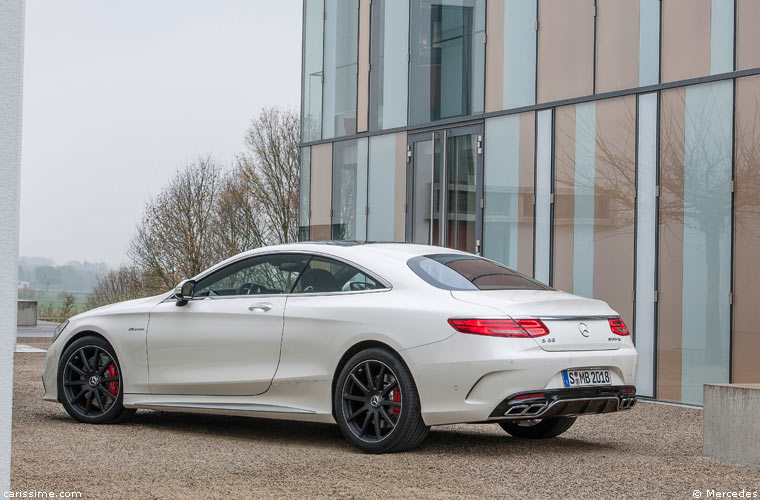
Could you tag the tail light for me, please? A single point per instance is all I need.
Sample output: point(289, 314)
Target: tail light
point(618, 327)
point(520, 328)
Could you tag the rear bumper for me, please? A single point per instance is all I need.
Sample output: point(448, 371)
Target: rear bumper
point(565, 403)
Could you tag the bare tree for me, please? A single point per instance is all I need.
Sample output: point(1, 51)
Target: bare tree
point(47, 275)
point(270, 172)
point(174, 239)
point(124, 283)
point(68, 300)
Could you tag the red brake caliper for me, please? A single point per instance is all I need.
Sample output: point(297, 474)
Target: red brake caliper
point(113, 387)
point(396, 398)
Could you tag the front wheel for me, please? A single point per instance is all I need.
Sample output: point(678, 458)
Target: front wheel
point(90, 384)
point(537, 429)
point(377, 405)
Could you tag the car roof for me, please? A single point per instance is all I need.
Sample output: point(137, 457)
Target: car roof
point(398, 251)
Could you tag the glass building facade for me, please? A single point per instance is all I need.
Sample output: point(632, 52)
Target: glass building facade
point(607, 148)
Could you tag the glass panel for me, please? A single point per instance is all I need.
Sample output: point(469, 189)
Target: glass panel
point(382, 182)
point(649, 42)
point(565, 49)
point(519, 53)
point(349, 203)
point(746, 347)
point(543, 195)
point(422, 191)
point(461, 196)
point(389, 65)
point(646, 237)
point(304, 197)
point(695, 239)
point(508, 214)
point(721, 36)
point(311, 86)
point(457, 272)
point(448, 59)
point(341, 60)
point(594, 188)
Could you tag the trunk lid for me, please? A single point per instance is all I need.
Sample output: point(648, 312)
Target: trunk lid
point(575, 323)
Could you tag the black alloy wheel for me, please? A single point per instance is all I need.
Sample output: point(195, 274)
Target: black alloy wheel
point(90, 382)
point(376, 403)
point(372, 400)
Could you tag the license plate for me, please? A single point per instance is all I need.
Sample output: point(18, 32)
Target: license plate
point(575, 378)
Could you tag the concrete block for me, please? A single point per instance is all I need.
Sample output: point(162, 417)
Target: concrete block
point(731, 428)
point(27, 313)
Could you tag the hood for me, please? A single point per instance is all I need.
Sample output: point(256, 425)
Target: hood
point(131, 306)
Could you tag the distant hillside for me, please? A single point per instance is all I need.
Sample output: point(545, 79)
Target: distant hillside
point(43, 274)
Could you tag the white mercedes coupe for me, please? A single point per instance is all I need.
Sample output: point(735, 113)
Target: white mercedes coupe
point(386, 339)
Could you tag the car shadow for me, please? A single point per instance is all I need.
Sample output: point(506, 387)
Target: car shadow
point(477, 439)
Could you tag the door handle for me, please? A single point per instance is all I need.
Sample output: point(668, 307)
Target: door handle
point(264, 306)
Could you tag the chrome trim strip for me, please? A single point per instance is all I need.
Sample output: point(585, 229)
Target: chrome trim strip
point(225, 406)
point(569, 318)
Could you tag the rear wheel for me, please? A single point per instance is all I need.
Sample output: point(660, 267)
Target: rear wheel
point(377, 405)
point(90, 384)
point(536, 428)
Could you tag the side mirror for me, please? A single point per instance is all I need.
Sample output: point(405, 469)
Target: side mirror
point(184, 292)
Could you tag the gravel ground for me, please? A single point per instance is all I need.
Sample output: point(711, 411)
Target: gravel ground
point(651, 451)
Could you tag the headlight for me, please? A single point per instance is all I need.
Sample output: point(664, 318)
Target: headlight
point(60, 328)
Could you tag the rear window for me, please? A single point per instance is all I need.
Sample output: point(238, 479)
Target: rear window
point(466, 272)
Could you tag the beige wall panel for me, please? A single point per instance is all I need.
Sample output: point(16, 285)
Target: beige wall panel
point(321, 191)
point(746, 345)
point(564, 198)
point(399, 224)
point(670, 280)
point(495, 55)
point(565, 49)
point(362, 91)
point(617, 45)
point(526, 190)
point(685, 39)
point(747, 34)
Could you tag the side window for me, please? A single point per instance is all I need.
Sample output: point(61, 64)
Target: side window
point(328, 275)
point(263, 275)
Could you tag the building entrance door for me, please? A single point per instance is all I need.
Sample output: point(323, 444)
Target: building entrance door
point(445, 188)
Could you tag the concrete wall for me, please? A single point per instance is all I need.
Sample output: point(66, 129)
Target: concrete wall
point(27, 313)
point(731, 429)
point(11, 64)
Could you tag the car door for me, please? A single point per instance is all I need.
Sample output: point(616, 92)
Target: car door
point(225, 340)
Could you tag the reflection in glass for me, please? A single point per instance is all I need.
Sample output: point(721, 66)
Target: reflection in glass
point(340, 63)
point(461, 196)
point(508, 213)
point(646, 233)
point(382, 180)
point(311, 86)
point(419, 206)
point(695, 239)
point(649, 42)
point(389, 50)
point(447, 59)
point(349, 205)
point(304, 199)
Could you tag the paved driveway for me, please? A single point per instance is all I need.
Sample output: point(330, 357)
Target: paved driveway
point(42, 330)
point(653, 451)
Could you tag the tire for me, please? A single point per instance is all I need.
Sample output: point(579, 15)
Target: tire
point(87, 391)
point(377, 405)
point(543, 429)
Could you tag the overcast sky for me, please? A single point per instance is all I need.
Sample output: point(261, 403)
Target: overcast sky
point(118, 95)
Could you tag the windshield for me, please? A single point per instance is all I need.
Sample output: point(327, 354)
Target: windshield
point(468, 272)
